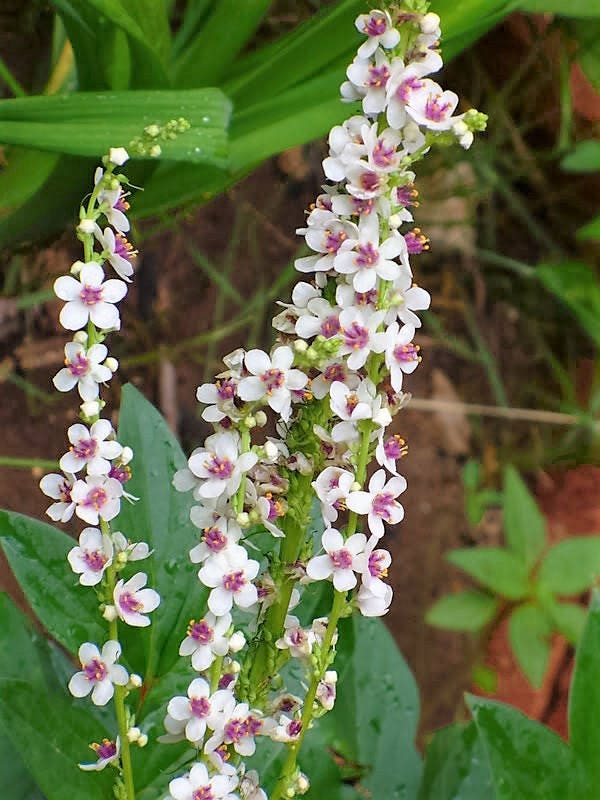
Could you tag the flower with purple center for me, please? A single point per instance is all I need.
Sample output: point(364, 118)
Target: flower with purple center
point(332, 487)
point(198, 785)
point(378, 27)
point(90, 298)
point(433, 107)
point(379, 503)
point(219, 466)
point(219, 399)
point(96, 498)
point(59, 488)
point(133, 602)
point(296, 639)
point(272, 378)
point(92, 556)
point(230, 575)
point(84, 369)
point(358, 334)
point(98, 672)
point(339, 560)
point(117, 250)
point(326, 235)
point(369, 81)
point(233, 724)
point(401, 355)
point(205, 640)
point(416, 242)
point(373, 566)
point(389, 450)
point(91, 448)
point(321, 319)
point(224, 534)
point(370, 260)
point(107, 752)
point(187, 716)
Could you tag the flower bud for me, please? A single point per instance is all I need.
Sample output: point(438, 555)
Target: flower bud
point(126, 455)
point(86, 226)
point(300, 346)
point(76, 267)
point(135, 681)
point(330, 676)
point(109, 613)
point(155, 151)
point(133, 734)
point(237, 641)
point(355, 487)
point(395, 221)
point(118, 156)
point(302, 784)
point(142, 740)
point(430, 23)
point(261, 419)
point(91, 408)
point(112, 364)
point(271, 450)
point(80, 337)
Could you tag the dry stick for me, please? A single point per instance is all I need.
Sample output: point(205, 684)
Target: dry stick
point(479, 409)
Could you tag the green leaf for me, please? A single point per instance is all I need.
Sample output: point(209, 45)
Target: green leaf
point(485, 678)
point(468, 611)
point(526, 760)
point(455, 766)
point(584, 699)
point(529, 634)
point(87, 124)
point(37, 554)
point(151, 16)
point(588, 55)
point(50, 729)
point(585, 157)
point(494, 567)
point(576, 285)
point(524, 524)
point(15, 781)
point(591, 230)
point(571, 566)
point(570, 619)
point(161, 518)
point(575, 8)
point(471, 474)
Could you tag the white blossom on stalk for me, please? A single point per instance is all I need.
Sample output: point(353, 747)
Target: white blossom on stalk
point(98, 672)
point(272, 377)
point(90, 298)
point(118, 251)
point(113, 204)
point(97, 498)
point(133, 602)
point(296, 639)
point(197, 785)
point(326, 690)
point(377, 26)
point(91, 448)
point(232, 724)
point(340, 559)
point(84, 369)
point(406, 298)
point(379, 503)
point(217, 538)
point(107, 751)
point(432, 107)
point(389, 450)
point(92, 556)
point(59, 487)
point(321, 319)
point(219, 465)
point(368, 80)
point(358, 335)
point(373, 566)
point(187, 716)
point(332, 487)
point(206, 640)
point(230, 575)
point(371, 604)
point(328, 236)
point(133, 551)
point(345, 146)
point(370, 260)
point(401, 355)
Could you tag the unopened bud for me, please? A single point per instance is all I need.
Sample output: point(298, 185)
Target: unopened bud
point(80, 337)
point(300, 346)
point(142, 740)
point(121, 559)
point(91, 408)
point(302, 784)
point(234, 668)
point(118, 156)
point(395, 221)
point(243, 519)
point(330, 676)
point(133, 734)
point(112, 364)
point(135, 681)
point(430, 23)
point(109, 613)
point(355, 487)
point(152, 130)
point(86, 226)
point(271, 450)
point(250, 422)
point(126, 455)
point(155, 151)
point(237, 641)
point(76, 267)
point(261, 419)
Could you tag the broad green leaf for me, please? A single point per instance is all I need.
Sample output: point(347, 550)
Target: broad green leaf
point(485, 678)
point(591, 230)
point(588, 54)
point(584, 699)
point(455, 766)
point(575, 285)
point(571, 566)
point(585, 157)
point(37, 554)
point(161, 518)
point(524, 524)
point(151, 16)
point(569, 619)
point(575, 8)
point(87, 124)
point(526, 760)
point(50, 729)
point(529, 632)
point(494, 567)
point(468, 611)
point(471, 474)
point(15, 781)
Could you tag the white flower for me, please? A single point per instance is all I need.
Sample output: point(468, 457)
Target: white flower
point(97, 498)
point(113, 203)
point(339, 561)
point(370, 81)
point(407, 298)
point(59, 487)
point(84, 369)
point(106, 751)
point(119, 155)
point(250, 787)
point(117, 250)
point(358, 335)
point(219, 398)
point(401, 355)
point(130, 551)
point(332, 488)
point(328, 236)
point(321, 319)
point(345, 146)
point(219, 465)
point(388, 451)
point(91, 297)
point(285, 730)
point(382, 152)
point(273, 378)
point(187, 716)
point(197, 785)
point(379, 502)
point(206, 640)
point(286, 320)
point(373, 605)
point(216, 538)
point(133, 602)
point(230, 576)
point(233, 724)
point(370, 260)
point(432, 107)
point(350, 406)
point(326, 690)
point(296, 639)
point(373, 566)
point(377, 25)
point(90, 449)
point(98, 672)
point(93, 555)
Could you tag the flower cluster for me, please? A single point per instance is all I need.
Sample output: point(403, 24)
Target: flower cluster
point(95, 469)
point(331, 386)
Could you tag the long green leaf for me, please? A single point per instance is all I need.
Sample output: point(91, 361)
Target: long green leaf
point(87, 124)
point(529, 632)
point(524, 524)
point(575, 285)
point(455, 766)
point(575, 8)
point(495, 568)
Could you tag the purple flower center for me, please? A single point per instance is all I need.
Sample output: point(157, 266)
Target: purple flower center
point(64, 491)
point(378, 76)
point(369, 181)
point(199, 706)
point(235, 730)
point(366, 298)
point(383, 504)
point(294, 728)
point(122, 204)
point(105, 750)
point(95, 670)
point(405, 89)
point(395, 447)
point(405, 195)
point(96, 498)
point(123, 248)
point(273, 379)
point(333, 241)
point(95, 560)
point(214, 539)
point(79, 365)
point(275, 508)
point(383, 154)
point(253, 725)
point(330, 327)
point(367, 255)
point(363, 206)
point(436, 111)
point(226, 389)
point(376, 26)
point(226, 680)
point(376, 561)
point(219, 467)
point(85, 449)
point(351, 403)
point(129, 603)
point(203, 793)
point(120, 473)
point(415, 242)
point(341, 559)
point(201, 632)
point(234, 581)
point(286, 705)
point(90, 295)
point(356, 336)
point(406, 353)
point(297, 637)
point(334, 372)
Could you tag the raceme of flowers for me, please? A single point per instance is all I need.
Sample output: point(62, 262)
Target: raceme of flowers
point(296, 431)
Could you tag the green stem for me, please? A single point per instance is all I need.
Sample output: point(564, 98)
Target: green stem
point(27, 463)
point(10, 80)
